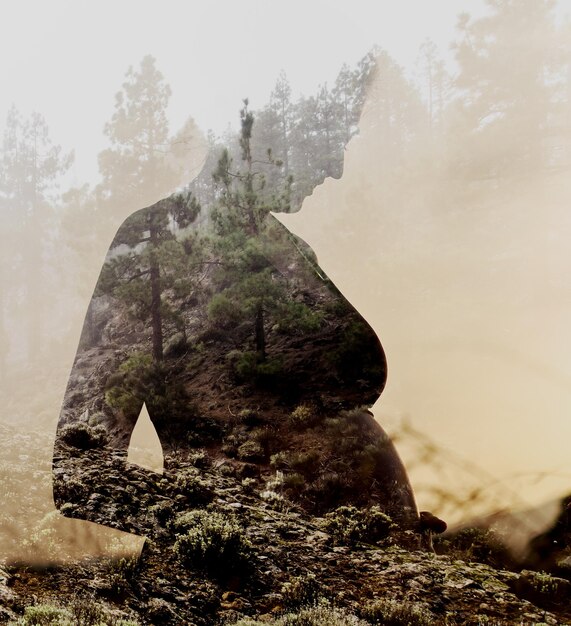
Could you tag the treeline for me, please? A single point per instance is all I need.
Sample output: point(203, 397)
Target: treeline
point(504, 113)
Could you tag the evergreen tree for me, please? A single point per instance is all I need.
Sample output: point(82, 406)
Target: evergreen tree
point(139, 276)
point(30, 167)
point(507, 81)
point(247, 285)
point(143, 163)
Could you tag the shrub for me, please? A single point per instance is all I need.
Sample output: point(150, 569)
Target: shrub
point(176, 345)
point(321, 615)
point(302, 417)
point(305, 463)
point(189, 484)
point(46, 615)
point(396, 613)
point(294, 482)
point(301, 591)
point(251, 450)
point(269, 438)
point(476, 544)
point(80, 435)
point(249, 485)
point(249, 417)
point(212, 542)
point(248, 368)
point(350, 525)
point(297, 318)
point(330, 490)
point(223, 312)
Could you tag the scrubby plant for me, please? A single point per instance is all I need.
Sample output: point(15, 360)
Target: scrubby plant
point(302, 417)
point(247, 367)
point(305, 463)
point(46, 615)
point(269, 438)
point(396, 613)
point(199, 459)
point(248, 417)
point(296, 318)
point(249, 485)
point(301, 591)
point(71, 489)
point(121, 574)
point(350, 525)
point(222, 312)
point(251, 450)
point(82, 436)
point(321, 615)
point(294, 482)
point(212, 542)
point(163, 512)
point(193, 487)
point(330, 490)
point(476, 544)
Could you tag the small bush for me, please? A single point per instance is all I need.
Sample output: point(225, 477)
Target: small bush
point(212, 542)
point(249, 417)
point(301, 591)
point(302, 417)
point(223, 312)
point(305, 463)
point(330, 490)
point(251, 450)
point(321, 615)
point(189, 484)
point(350, 525)
point(176, 345)
point(476, 544)
point(396, 613)
point(82, 436)
point(46, 615)
point(294, 482)
point(249, 485)
point(248, 368)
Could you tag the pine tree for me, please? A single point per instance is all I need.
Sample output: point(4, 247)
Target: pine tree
point(247, 284)
point(507, 80)
point(143, 163)
point(139, 276)
point(30, 167)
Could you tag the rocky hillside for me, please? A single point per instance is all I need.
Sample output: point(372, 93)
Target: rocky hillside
point(229, 548)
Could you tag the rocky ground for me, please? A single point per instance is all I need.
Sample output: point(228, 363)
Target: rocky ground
point(227, 548)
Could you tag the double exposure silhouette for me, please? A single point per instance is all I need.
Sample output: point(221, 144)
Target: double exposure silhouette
point(223, 325)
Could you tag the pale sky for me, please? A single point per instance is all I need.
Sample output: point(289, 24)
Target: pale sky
point(67, 58)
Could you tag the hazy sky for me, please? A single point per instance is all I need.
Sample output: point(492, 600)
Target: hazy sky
point(67, 58)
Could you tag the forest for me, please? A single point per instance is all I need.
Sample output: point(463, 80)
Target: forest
point(205, 309)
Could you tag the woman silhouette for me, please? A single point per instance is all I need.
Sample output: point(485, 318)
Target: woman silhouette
point(239, 345)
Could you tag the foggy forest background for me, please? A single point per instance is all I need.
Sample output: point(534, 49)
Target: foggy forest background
point(449, 210)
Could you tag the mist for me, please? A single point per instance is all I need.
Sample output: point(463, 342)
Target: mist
point(448, 231)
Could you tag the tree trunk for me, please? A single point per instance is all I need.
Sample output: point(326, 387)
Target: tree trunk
point(260, 334)
point(156, 316)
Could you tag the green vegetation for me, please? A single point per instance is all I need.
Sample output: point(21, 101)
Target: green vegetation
point(321, 615)
point(396, 613)
point(350, 525)
point(211, 542)
point(81, 435)
point(80, 612)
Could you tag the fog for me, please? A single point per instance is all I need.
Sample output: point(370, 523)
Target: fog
point(450, 236)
